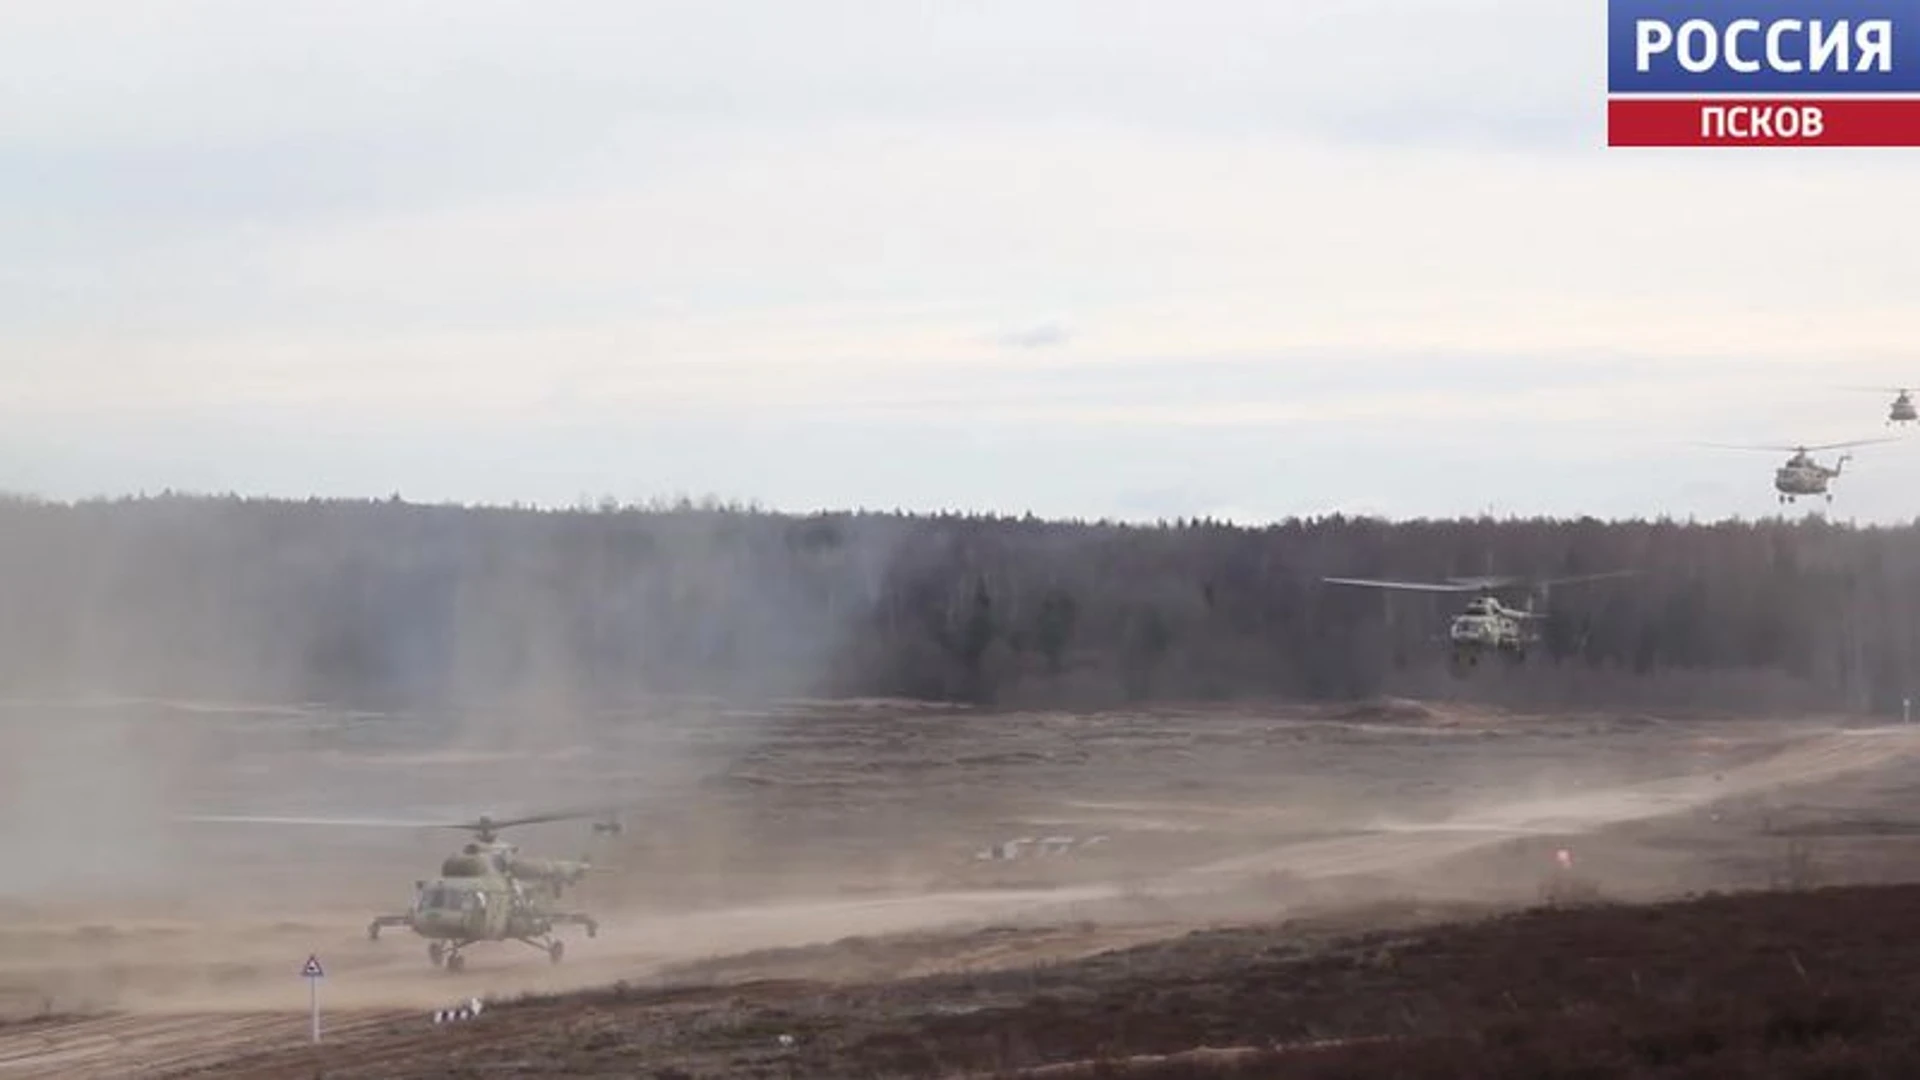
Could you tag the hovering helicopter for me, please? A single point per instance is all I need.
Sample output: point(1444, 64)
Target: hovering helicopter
point(1486, 623)
point(1902, 410)
point(487, 891)
point(1803, 476)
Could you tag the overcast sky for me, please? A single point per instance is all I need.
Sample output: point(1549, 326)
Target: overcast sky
point(1080, 257)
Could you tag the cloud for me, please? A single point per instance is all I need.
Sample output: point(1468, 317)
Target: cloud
point(223, 72)
point(882, 252)
point(1037, 336)
point(1373, 245)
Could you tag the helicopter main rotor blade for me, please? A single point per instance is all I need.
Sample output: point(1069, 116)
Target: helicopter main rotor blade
point(487, 822)
point(260, 819)
point(1587, 577)
point(1851, 442)
point(482, 823)
point(1487, 582)
point(1410, 586)
point(1797, 448)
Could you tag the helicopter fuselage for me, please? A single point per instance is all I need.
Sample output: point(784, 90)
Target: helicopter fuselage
point(1802, 476)
point(478, 909)
point(1902, 410)
point(1486, 625)
point(487, 892)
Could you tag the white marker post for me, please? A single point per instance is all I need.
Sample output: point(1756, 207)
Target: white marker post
point(312, 973)
point(1906, 710)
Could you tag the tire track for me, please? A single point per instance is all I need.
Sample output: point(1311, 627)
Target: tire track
point(145, 1044)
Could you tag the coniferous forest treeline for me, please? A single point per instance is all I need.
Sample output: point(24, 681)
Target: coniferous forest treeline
point(385, 604)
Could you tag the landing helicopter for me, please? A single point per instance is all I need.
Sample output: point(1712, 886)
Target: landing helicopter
point(1803, 476)
point(487, 891)
point(1486, 623)
point(1902, 410)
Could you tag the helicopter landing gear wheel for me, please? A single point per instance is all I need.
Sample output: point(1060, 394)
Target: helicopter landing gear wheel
point(555, 951)
point(373, 931)
point(593, 929)
point(456, 963)
point(436, 953)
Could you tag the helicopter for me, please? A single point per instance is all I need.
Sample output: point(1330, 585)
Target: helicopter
point(486, 891)
point(1902, 410)
point(1486, 623)
point(1803, 476)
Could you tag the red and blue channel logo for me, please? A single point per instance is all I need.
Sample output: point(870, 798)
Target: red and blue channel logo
point(1763, 73)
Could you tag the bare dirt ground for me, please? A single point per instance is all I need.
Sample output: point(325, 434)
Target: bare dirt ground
point(775, 855)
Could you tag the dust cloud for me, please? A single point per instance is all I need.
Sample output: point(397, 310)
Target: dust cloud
point(386, 661)
point(177, 657)
point(81, 800)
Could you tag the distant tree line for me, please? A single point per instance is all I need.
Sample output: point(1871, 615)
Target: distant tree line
point(394, 605)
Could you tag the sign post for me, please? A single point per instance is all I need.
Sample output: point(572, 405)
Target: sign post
point(312, 973)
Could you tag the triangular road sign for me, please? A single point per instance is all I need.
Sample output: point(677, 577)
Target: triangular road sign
point(312, 970)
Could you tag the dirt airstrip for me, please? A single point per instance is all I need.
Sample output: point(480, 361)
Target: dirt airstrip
point(777, 861)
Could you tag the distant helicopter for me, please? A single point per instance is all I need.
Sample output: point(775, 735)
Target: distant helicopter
point(487, 891)
point(1486, 624)
point(1902, 410)
point(1801, 475)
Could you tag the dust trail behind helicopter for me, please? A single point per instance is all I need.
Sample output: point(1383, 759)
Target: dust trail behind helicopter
point(368, 675)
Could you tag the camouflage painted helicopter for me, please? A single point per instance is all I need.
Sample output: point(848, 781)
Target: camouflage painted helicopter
point(1902, 410)
point(1802, 476)
point(486, 891)
point(1486, 624)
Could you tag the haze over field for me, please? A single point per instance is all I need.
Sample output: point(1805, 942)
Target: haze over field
point(1065, 256)
point(413, 412)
